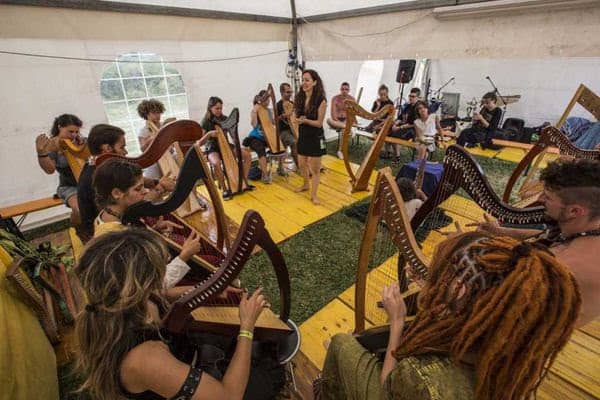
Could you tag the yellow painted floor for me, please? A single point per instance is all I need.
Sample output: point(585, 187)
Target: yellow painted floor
point(287, 212)
point(574, 375)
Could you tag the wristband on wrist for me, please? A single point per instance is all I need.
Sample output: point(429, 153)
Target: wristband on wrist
point(246, 334)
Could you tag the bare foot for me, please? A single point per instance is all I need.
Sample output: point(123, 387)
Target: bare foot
point(316, 201)
point(302, 189)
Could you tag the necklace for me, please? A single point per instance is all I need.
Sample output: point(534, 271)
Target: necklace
point(113, 213)
point(564, 239)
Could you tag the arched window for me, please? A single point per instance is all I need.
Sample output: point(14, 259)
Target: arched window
point(134, 77)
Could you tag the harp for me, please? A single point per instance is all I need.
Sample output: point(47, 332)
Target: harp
point(76, 155)
point(183, 132)
point(168, 160)
point(360, 179)
point(444, 205)
point(270, 128)
point(200, 310)
point(288, 108)
point(529, 188)
point(194, 168)
point(232, 163)
point(420, 176)
point(389, 252)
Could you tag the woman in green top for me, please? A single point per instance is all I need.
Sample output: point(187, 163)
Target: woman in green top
point(492, 317)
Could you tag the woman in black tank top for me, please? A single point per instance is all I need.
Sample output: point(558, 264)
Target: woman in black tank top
point(121, 350)
point(310, 105)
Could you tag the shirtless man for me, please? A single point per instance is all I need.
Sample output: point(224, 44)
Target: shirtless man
point(338, 111)
point(572, 198)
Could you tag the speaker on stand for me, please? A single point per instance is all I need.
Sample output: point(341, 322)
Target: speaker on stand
point(406, 70)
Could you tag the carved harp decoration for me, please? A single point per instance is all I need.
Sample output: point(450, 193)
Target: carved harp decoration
point(182, 131)
point(360, 179)
point(402, 259)
point(194, 168)
point(233, 166)
point(269, 126)
point(76, 155)
point(198, 309)
point(550, 137)
point(461, 171)
point(288, 108)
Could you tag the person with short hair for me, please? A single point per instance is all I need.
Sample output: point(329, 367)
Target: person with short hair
point(404, 127)
point(51, 159)
point(151, 111)
point(285, 130)
point(484, 125)
point(381, 101)
point(426, 127)
point(337, 120)
point(571, 198)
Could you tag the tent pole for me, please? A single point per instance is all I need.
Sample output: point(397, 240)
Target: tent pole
point(294, 49)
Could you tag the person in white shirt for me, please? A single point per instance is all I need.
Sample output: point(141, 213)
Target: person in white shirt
point(426, 126)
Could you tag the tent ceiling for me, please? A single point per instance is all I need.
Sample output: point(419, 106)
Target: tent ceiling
point(276, 8)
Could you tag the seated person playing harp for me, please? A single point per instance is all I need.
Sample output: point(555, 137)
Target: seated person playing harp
point(256, 141)
point(285, 130)
point(382, 101)
point(51, 159)
point(119, 184)
point(151, 111)
point(427, 126)
point(465, 337)
point(214, 114)
point(338, 111)
point(102, 139)
point(570, 197)
point(485, 123)
point(123, 349)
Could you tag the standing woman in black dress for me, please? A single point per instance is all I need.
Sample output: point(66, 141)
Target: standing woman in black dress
point(310, 106)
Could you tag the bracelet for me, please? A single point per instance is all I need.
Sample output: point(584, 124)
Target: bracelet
point(43, 155)
point(246, 334)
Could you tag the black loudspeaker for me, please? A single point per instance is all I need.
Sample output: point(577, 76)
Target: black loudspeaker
point(406, 70)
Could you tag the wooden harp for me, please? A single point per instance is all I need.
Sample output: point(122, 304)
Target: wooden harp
point(388, 253)
point(76, 155)
point(200, 310)
point(444, 206)
point(184, 132)
point(194, 168)
point(232, 163)
point(360, 179)
point(550, 137)
point(530, 189)
point(269, 126)
point(289, 109)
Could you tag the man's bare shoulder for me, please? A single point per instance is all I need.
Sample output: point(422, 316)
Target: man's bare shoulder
point(581, 254)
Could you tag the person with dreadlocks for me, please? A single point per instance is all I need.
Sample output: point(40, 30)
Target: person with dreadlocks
point(491, 319)
point(571, 197)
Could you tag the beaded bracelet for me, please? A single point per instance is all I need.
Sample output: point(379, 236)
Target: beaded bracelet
point(246, 334)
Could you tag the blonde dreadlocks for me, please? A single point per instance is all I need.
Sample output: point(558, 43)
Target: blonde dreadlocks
point(511, 304)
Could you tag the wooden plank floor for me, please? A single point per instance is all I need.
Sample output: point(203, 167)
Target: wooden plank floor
point(285, 211)
point(575, 373)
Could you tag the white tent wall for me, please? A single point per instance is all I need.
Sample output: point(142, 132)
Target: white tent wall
point(35, 90)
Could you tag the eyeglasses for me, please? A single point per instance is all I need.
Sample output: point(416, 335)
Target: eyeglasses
point(412, 95)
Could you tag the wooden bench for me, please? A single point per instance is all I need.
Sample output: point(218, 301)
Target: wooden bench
point(518, 145)
point(7, 214)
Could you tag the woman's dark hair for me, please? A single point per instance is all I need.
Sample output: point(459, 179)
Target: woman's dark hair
point(407, 189)
point(317, 97)
point(416, 91)
point(421, 103)
point(212, 101)
point(64, 120)
point(491, 96)
point(115, 173)
point(383, 87)
point(148, 106)
point(258, 97)
point(102, 134)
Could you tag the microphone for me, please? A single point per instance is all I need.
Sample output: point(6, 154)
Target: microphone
point(487, 77)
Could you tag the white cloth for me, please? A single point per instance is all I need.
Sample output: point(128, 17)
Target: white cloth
point(412, 207)
point(428, 129)
point(153, 171)
point(176, 270)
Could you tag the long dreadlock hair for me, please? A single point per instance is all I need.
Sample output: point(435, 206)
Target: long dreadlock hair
point(514, 313)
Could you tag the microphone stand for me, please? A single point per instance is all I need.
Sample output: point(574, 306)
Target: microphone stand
point(437, 92)
point(401, 93)
point(501, 98)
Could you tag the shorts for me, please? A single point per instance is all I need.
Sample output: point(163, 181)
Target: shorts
point(256, 145)
point(287, 138)
point(65, 192)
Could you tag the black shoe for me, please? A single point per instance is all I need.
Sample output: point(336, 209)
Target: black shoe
point(470, 145)
point(227, 195)
point(249, 188)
